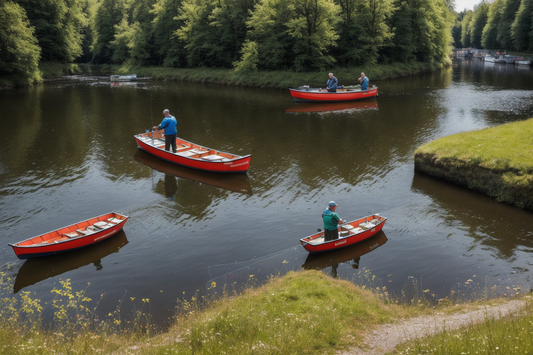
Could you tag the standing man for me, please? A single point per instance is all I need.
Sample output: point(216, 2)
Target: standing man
point(364, 81)
point(331, 222)
point(169, 123)
point(332, 83)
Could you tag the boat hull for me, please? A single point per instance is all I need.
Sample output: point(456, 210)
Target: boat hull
point(361, 230)
point(56, 242)
point(322, 95)
point(131, 77)
point(232, 164)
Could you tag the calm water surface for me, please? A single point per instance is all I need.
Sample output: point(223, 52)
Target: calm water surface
point(68, 154)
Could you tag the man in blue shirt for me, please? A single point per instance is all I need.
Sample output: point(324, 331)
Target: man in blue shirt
point(364, 81)
point(169, 123)
point(331, 222)
point(332, 83)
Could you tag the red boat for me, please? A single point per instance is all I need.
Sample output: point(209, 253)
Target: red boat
point(306, 94)
point(72, 237)
point(193, 155)
point(349, 233)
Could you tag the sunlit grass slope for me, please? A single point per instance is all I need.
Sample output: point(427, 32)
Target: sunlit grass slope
point(496, 161)
point(300, 313)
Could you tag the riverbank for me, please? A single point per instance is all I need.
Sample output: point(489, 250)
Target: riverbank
point(262, 79)
point(495, 161)
point(303, 312)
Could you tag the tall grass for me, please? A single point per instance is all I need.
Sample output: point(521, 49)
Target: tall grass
point(497, 161)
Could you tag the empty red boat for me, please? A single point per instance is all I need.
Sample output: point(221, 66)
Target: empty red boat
point(72, 237)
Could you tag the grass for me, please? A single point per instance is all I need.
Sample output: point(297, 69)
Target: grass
point(303, 312)
point(263, 79)
point(496, 161)
point(278, 79)
point(512, 335)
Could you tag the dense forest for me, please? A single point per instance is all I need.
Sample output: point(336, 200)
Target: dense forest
point(295, 35)
point(505, 25)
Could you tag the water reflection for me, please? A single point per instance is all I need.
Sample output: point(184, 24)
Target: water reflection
point(350, 255)
point(233, 182)
point(39, 269)
point(503, 229)
point(336, 107)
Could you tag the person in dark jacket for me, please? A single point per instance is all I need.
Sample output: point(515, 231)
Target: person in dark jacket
point(332, 83)
point(331, 222)
point(169, 123)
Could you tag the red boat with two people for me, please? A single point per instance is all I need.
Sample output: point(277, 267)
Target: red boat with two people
point(193, 155)
point(307, 94)
point(349, 233)
point(75, 236)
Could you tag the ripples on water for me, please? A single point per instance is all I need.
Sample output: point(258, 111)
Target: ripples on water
point(71, 155)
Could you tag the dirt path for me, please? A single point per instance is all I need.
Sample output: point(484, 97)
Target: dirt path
point(385, 338)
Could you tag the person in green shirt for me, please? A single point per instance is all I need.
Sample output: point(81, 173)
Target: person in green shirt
point(331, 222)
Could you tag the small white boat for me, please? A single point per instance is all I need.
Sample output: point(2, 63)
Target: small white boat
point(490, 59)
point(523, 61)
point(123, 77)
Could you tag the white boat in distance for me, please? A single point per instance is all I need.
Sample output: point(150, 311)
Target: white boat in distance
point(123, 77)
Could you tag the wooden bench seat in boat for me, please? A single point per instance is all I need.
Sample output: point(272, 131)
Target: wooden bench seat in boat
point(190, 153)
point(214, 157)
point(71, 235)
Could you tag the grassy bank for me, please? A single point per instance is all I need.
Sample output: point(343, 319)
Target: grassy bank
point(495, 161)
point(300, 313)
point(270, 79)
point(281, 79)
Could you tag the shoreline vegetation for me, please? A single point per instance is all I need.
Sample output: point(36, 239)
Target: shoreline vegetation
point(495, 161)
point(260, 79)
point(303, 312)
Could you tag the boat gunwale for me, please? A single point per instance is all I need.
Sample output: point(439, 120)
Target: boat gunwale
point(348, 237)
point(67, 240)
point(239, 157)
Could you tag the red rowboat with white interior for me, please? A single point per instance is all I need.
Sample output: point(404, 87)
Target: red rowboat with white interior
point(193, 155)
point(349, 233)
point(72, 237)
point(307, 94)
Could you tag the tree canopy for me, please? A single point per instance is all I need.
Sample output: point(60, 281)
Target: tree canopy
point(299, 35)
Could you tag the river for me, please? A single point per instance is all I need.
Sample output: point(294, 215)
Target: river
point(68, 154)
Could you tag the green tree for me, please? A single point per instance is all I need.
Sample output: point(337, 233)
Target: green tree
point(196, 32)
point(169, 50)
point(466, 29)
point(58, 27)
point(214, 30)
point(457, 29)
point(479, 20)
point(504, 36)
point(522, 27)
point(291, 34)
point(19, 52)
point(363, 30)
point(109, 13)
point(422, 31)
point(489, 38)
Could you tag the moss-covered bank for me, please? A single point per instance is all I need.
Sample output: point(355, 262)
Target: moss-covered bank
point(496, 161)
point(263, 79)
